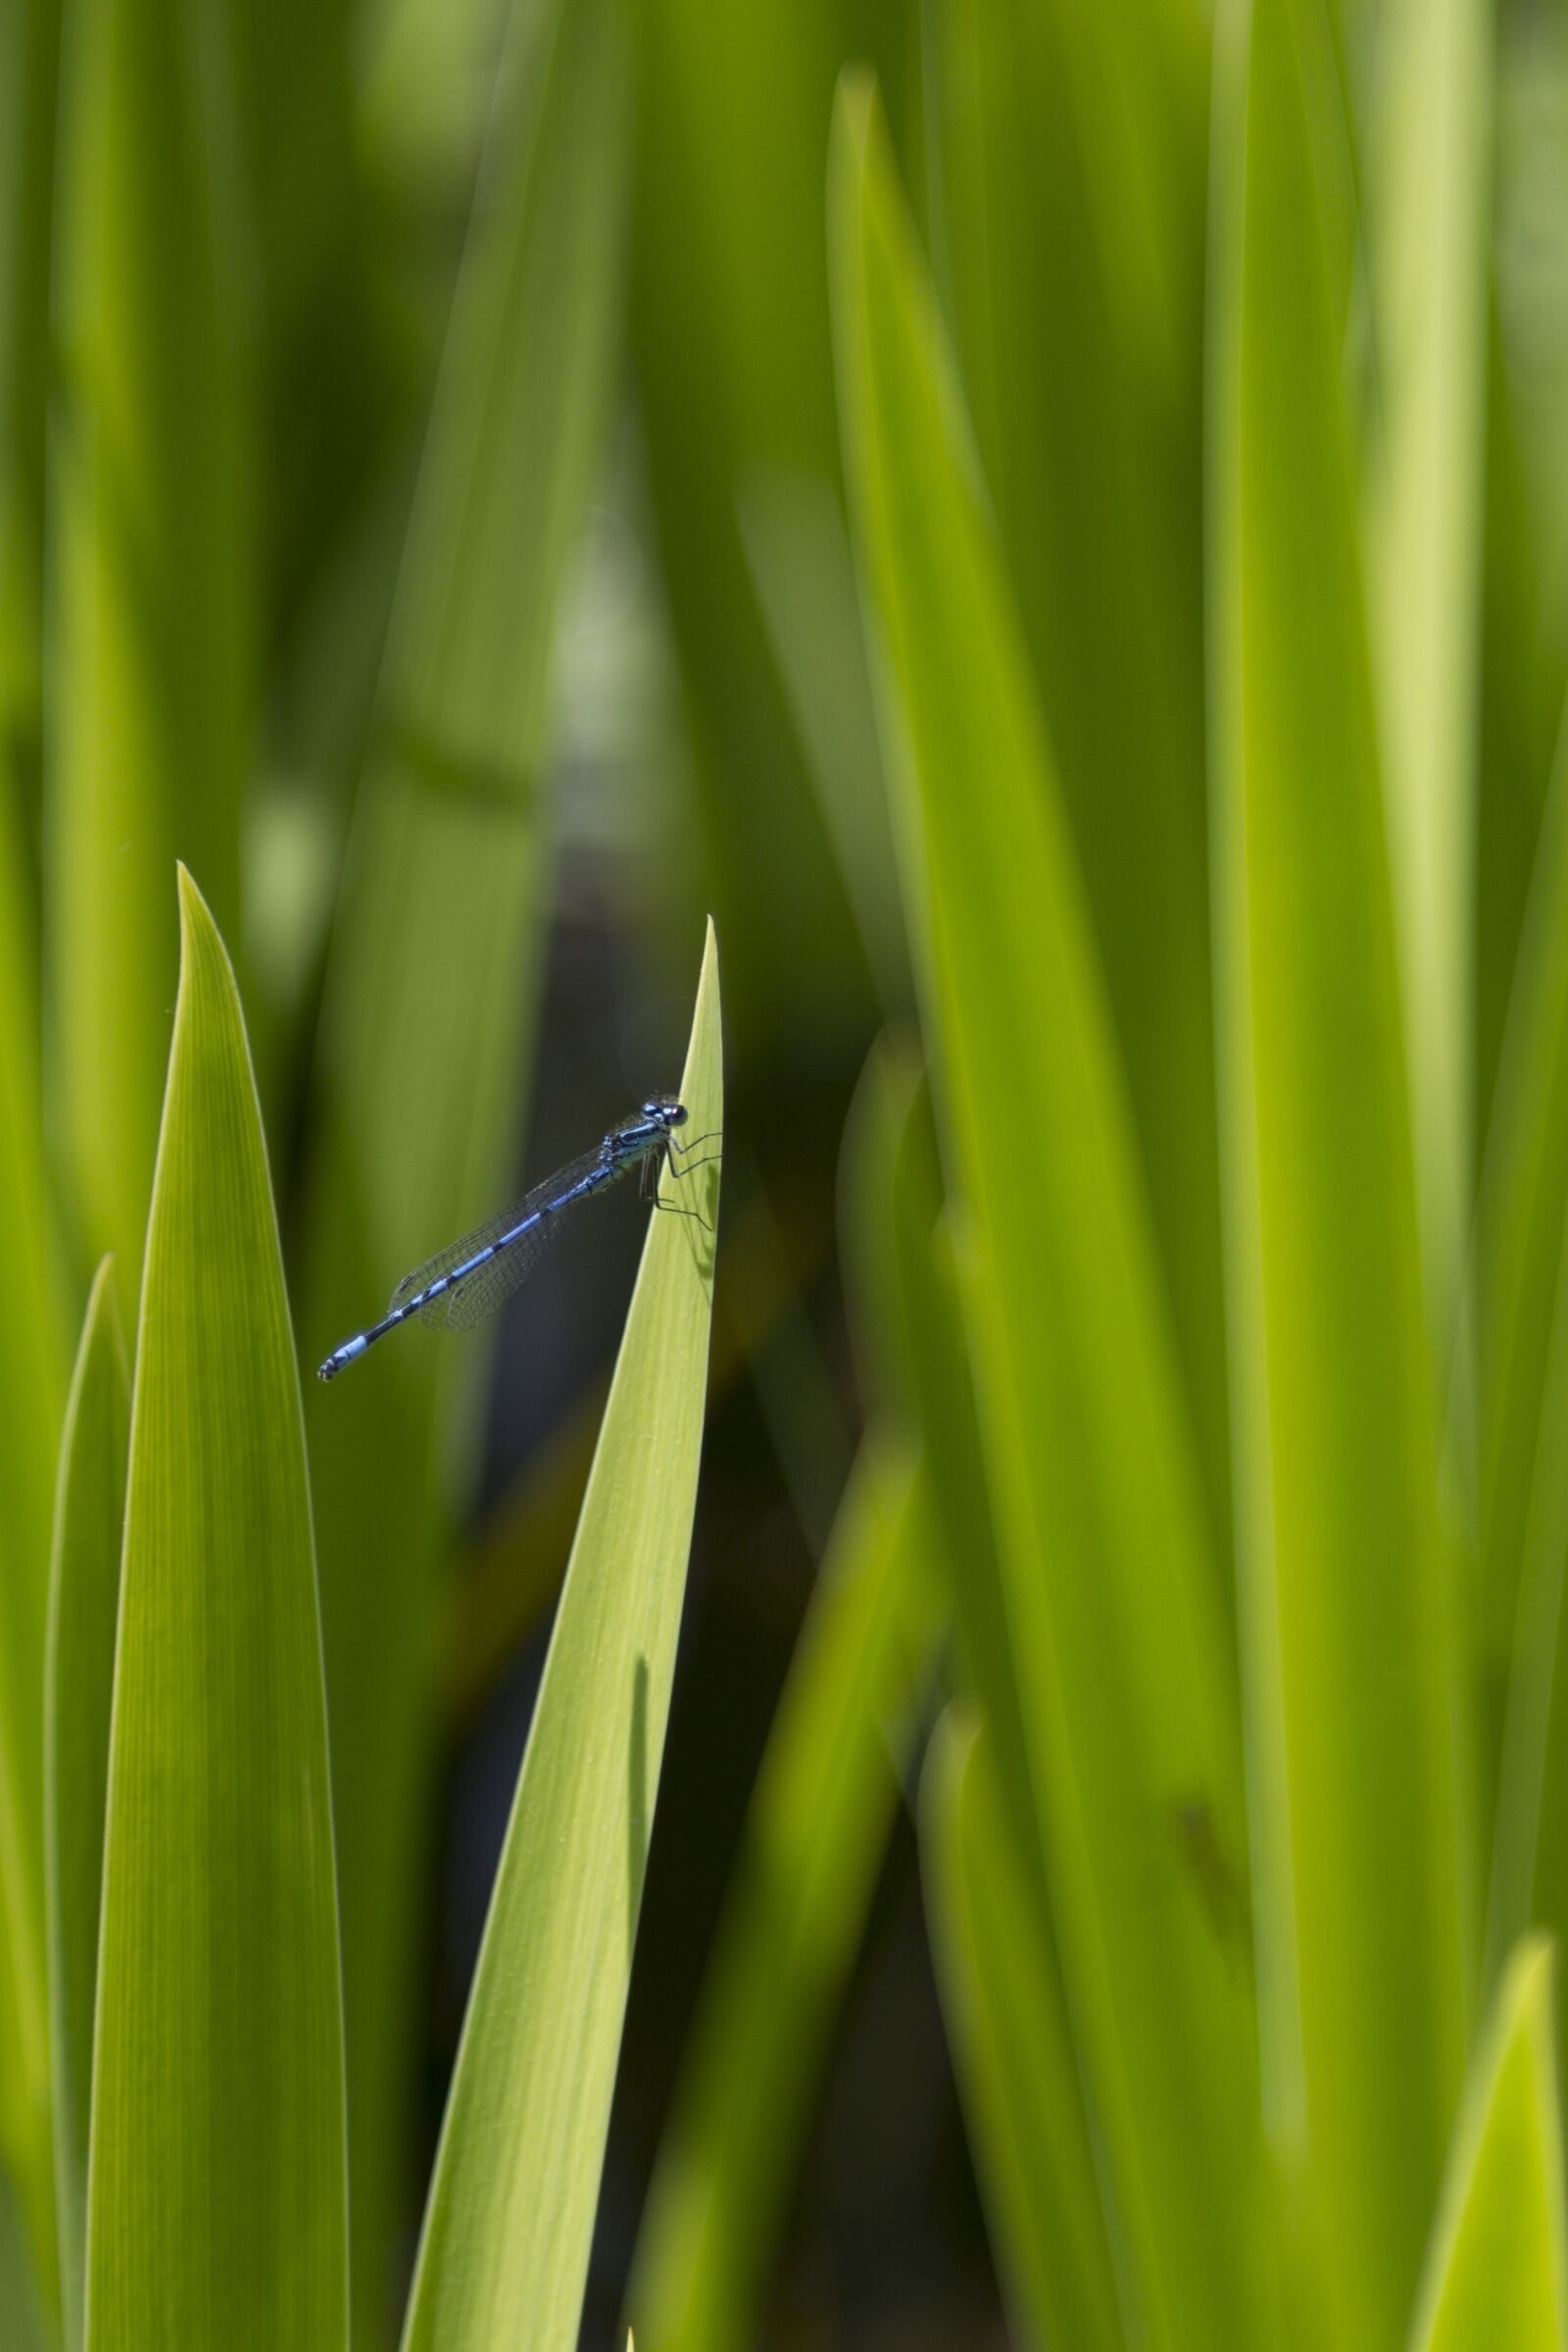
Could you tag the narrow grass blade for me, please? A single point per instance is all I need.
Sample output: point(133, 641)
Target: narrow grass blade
point(1115, 1604)
point(1346, 1601)
point(1428, 211)
point(31, 1396)
point(511, 2209)
point(84, 1615)
point(431, 988)
point(1497, 2270)
point(1013, 2045)
point(217, 2193)
point(150, 669)
point(817, 1832)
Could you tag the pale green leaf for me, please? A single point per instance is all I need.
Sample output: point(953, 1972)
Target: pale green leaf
point(217, 2189)
point(150, 687)
point(1007, 2024)
point(1428, 208)
point(1347, 1587)
point(432, 984)
point(816, 1833)
point(1115, 1606)
point(83, 1613)
point(1497, 2268)
point(510, 2210)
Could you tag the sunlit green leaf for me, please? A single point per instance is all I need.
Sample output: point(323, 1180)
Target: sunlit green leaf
point(512, 2205)
point(1497, 2268)
point(216, 2192)
point(1428, 211)
point(817, 1831)
point(1115, 1606)
point(83, 1613)
point(1349, 1600)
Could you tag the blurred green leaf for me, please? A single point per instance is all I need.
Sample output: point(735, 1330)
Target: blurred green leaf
point(512, 2204)
point(976, 1874)
point(216, 2196)
point(1427, 216)
point(31, 1397)
point(1113, 1602)
point(1520, 715)
point(799, 558)
point(84, 1615)
point(1067, 241)
point(22, 2320)
point(1497, 2268)
point(30, 68)
point(1348, 1588)
point(1003, 1999)
point(150, 684)
point(734, 381)
point(1524, 1202)
point(817, 1832)
point(432, 984)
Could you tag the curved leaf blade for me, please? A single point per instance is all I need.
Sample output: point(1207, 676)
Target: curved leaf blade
point(216, 2180)
point(80, 1682)
point(512, 2204)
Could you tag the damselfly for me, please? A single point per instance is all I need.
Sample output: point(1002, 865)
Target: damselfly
point(470, 1279)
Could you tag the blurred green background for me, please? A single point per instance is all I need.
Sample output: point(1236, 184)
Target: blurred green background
point(1083, 601)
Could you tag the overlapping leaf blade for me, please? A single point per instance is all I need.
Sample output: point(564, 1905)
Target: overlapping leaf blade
point(511, 2209)
point(817, 1832)
point(1347, 1601)
point(1115, 1608)
point(431, 981)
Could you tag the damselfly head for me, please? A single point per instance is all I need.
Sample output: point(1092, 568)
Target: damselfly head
point(665, 1109)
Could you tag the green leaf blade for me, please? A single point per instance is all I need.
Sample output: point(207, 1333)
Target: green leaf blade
point(816, 1833)
point(150, 663)
point(1348, 1599)
point(512, 2205)
point(1003, 1999)
point(1497, 2271)
point(1115, 1608)
point(84, 1617)
point(216, 2192)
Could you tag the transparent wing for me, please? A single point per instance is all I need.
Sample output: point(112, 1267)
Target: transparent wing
point(481, 1292)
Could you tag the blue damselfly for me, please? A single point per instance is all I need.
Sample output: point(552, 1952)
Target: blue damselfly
point(470, 1279)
